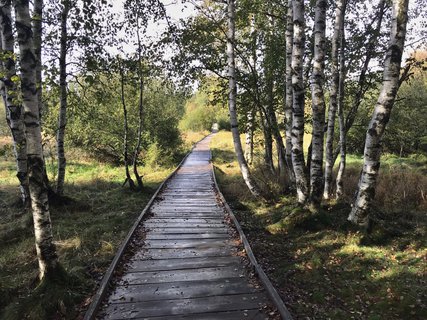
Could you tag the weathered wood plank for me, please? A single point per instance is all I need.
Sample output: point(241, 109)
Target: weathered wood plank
point(163, 308)
point(184, 263)
point(188, 230)
point(187, 243)
point(183, 253)
point(172, 224)
point(212, 235)
point(190, 220)
point(228, 315)
point(181, 290)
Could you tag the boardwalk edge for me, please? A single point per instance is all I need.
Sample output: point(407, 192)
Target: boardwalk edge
point(271, 291)
point(105, 282)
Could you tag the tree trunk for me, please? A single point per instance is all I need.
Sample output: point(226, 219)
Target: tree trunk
point(318, 104)
point(62, 118)
point(342, 73)
point(329, 154)
point(14, 112)
point(46, 251)
point(141, 111)
point(298, 101)
point(37, 36)
point(372, 153)
point(268, 141)
point(249, 137)
point(289, 93)
point(247, 177)
point(126, 131)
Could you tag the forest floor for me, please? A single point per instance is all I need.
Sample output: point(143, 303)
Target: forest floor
point(325, 268)
point(87, 229)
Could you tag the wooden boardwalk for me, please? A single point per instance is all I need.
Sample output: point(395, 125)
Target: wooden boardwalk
point(186, 264)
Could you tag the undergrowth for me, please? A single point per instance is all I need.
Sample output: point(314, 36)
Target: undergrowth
point(87, 230)
point(323, 266)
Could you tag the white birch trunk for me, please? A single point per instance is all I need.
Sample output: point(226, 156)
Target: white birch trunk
point(125, 133)
point(329, 154)
point(62, 117)
point(37, 35)
point(298, 101)
point(289, 93)
point(14, 112)
point(249, 137)
point(268, 141)
point(341, 88)
point(140, 109)
point(318, 104)
point(372, 153)
point(46, 251)
point(252, 186)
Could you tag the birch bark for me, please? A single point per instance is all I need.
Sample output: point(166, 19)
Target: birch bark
point(252, 186)
point(37, 35)
point(62, 117)
point(343, 142)
point(249, 137)
point(14, 112)
point(318, 103)
point(288, 92)
point(298, 101)
point(140, 109)
point(329, 154)
point(372, 153)
point(126, 131)
point(46, 251)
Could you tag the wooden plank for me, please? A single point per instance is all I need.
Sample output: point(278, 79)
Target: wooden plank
point(172, 224)
point(190, 220)
point(184, 263)
point(187, 243)
point(163, 236)
point(181, 290)
point(228, 315)
point(188, 230)
point(164, 308)
point(183, 253)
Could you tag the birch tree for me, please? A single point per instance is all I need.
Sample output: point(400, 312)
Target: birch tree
point(46, 251)
point(298, 92)
point(318, 103)
point(13, 105)
point(335, 75)
point(289, 92)
point(340, 103)
point(62, 117)
point(232, 93)
point(381, 115)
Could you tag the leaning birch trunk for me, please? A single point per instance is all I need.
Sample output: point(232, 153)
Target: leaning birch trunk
point(37, 36)
point(268, 141)
point(141, 111)
point(62, 118)
point(298, 101)
point(318, 104)
point(329, 154)
point(249, 137)
point(289, 95)
point(372, 153)
point(46, 251)
point(343, 144)
point(252, 186)
point(126, 131)
point(14, 112)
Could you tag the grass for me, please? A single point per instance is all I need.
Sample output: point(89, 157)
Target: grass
point(324, 267)
point(87, 233)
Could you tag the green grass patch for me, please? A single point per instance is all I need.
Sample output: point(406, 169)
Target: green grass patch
point(323, 266)
point(87, 232)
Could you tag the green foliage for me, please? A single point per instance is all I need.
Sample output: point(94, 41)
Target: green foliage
point(96, 116)
point(206, 107)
